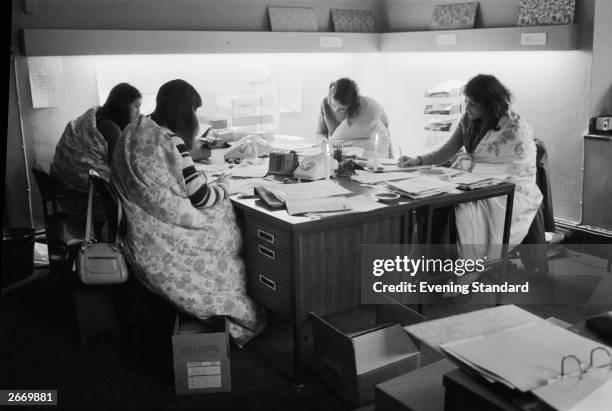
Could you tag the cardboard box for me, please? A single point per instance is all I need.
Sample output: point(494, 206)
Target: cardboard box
point(201, 355)
point(360, 348)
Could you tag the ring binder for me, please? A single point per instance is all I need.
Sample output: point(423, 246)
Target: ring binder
point(584, 368)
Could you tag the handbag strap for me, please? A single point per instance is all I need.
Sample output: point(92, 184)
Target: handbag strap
point(89, 222)
point(119, 213)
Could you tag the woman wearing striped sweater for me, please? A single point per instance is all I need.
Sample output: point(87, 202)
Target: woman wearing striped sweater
point(182, 239)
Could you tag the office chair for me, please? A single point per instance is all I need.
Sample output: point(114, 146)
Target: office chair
point(64, 234)
point(532, 251)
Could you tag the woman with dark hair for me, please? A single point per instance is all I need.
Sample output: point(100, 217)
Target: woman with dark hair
point(496, 140)
point(182, 239)
point(87, 143)
point(349, 119)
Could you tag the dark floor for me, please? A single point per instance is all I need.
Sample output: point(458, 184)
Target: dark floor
point(40, 349)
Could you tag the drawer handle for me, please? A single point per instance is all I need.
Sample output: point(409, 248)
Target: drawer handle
point(267, 282)
point(265, 236)
point(267, 252)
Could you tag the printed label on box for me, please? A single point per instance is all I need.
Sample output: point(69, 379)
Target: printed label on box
point(203, 374)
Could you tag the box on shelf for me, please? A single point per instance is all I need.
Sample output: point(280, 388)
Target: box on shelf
point(360, 348)
point(201, 356)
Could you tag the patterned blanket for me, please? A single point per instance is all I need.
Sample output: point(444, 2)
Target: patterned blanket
point(189, 256)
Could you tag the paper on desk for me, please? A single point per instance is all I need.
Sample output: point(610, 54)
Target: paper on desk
point(572, 393)
point(422, 186)
point(365, 177)
point(250, 170)
point(357, 204)
point(316, 205)
point(314, 189)
point(525, 357)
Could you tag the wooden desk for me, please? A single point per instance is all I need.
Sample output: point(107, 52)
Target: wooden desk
point(296, 265)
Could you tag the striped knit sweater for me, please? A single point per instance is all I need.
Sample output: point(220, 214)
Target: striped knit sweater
point(200, 193)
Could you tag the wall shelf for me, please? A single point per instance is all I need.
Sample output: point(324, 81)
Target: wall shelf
point(563, 37)
point(41, 42)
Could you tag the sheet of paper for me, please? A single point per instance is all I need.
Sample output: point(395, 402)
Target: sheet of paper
point(46, 81)
point(599, 400)
point(365, 177)
point(246, 171)
point(316, 205)
point(566, 393)
point(357, 204)
point(525, 357)
point(314, 189)
point(290, 94)
point(108, 75)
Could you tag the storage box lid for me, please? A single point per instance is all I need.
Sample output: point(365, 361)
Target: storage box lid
point(382, 347)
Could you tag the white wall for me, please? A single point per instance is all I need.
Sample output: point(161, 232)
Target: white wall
point(551, 91)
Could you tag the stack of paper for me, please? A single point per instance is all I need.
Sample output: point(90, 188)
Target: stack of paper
point(316, 205)
point(421, 187)
point(304, 191)
point(471, 181)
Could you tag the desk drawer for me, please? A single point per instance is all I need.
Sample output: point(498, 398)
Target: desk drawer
point(260, 255)
point(268, 235)
point(270, 289)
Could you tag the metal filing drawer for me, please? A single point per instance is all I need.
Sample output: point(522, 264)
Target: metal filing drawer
point(268, 235)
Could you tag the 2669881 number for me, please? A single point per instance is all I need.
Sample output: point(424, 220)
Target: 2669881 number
point(28, 397)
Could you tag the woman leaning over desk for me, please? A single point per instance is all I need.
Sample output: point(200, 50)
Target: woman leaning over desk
point(349, 119)
point(496, 138)
point(87, 143)
point(182, 239)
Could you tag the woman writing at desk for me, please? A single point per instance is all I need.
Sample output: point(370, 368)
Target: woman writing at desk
point(496, 137)
point(349, 119)
point(182, 239)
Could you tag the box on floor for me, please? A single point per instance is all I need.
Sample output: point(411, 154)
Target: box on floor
point(358, 349)
point(201, 356)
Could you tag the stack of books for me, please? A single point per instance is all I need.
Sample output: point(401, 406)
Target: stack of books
point(421, 187)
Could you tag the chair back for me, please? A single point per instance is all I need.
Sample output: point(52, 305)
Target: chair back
point(110, 202)
point(46, 188)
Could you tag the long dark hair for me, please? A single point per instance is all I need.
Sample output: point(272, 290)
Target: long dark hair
point(346, 92)
point(176, 104)
point(493, 97)
point(117, 104)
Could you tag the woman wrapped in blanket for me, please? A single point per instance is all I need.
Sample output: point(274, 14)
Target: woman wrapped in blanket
point(87, 143)
point(182, 240)
point(349, 119)
point(496, 138)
